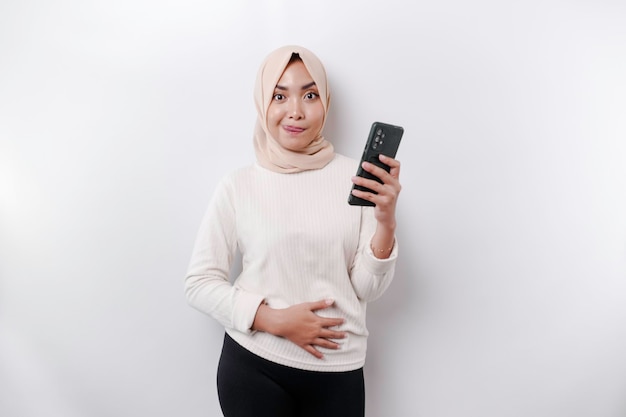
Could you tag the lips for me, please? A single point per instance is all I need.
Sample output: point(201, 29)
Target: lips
point(293, 129)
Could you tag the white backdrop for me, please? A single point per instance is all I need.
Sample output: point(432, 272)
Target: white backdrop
point(117, 118)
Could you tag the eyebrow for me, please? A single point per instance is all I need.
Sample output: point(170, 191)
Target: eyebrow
point(304, 87)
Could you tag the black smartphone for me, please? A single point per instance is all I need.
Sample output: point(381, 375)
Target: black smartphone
point(383, 139)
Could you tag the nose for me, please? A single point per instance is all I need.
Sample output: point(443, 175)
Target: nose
point(295, 110)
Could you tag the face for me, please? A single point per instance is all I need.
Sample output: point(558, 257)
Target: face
point(296, 114)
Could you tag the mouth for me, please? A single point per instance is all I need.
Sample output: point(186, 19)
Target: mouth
point(293, 129)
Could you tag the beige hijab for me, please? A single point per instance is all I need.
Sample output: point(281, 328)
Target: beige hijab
point(270, 154)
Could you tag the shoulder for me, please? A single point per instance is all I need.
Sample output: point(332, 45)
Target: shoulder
point(228, 184)
point(342, 164)
point(244, 173)
point(342, 159)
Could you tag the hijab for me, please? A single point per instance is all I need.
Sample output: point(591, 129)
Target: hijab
point(269, 153)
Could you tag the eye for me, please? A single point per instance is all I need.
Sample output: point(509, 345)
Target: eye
point(279, 97)
point(311, 95)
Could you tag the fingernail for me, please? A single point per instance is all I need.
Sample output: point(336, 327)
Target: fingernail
point(330, 302)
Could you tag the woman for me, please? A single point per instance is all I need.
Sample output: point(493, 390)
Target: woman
point(295, 317)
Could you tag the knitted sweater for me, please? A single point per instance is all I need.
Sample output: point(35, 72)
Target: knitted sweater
point(300, 241)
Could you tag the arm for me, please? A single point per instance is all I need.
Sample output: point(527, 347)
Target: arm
point(385, 211)
point(373, 268)
point(207, 284)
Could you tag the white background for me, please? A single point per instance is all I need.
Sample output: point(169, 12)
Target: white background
point(118, 117)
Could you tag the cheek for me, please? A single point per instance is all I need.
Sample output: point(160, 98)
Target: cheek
point(317, 114)
point(273, 116)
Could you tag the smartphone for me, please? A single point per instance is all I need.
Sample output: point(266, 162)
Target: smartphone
point(383, 139)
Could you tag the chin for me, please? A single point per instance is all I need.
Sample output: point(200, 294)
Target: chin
point(295, 145)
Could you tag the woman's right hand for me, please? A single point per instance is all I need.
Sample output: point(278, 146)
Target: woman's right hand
point(301, 325)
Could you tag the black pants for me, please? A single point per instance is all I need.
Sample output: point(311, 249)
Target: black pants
point(249, 386)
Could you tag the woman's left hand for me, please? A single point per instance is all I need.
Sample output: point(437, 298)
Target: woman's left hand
point(386, 193)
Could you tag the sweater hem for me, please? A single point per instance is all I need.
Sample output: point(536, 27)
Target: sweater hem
point(256, 349)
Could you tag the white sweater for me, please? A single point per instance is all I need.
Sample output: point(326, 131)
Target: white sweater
point(300, 241)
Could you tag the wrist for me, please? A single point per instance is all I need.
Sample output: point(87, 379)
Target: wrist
point(383, 252)
point(265, 319)
point(383, 241)
point(388, 224)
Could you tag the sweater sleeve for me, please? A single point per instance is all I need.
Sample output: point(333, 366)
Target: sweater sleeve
point(207, 285)
point(369, 275)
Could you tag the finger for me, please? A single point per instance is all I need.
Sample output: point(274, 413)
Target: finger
point(394, 164)
point(363, 194)
point(377, 171)
point(313, 351)
point(381, 200)
point(389, 161)
point(332, 334)
point(373, 169)
point(320, 305)
point(367, 183)
point(381, 197)
point(331, 321)
point(325, 343)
